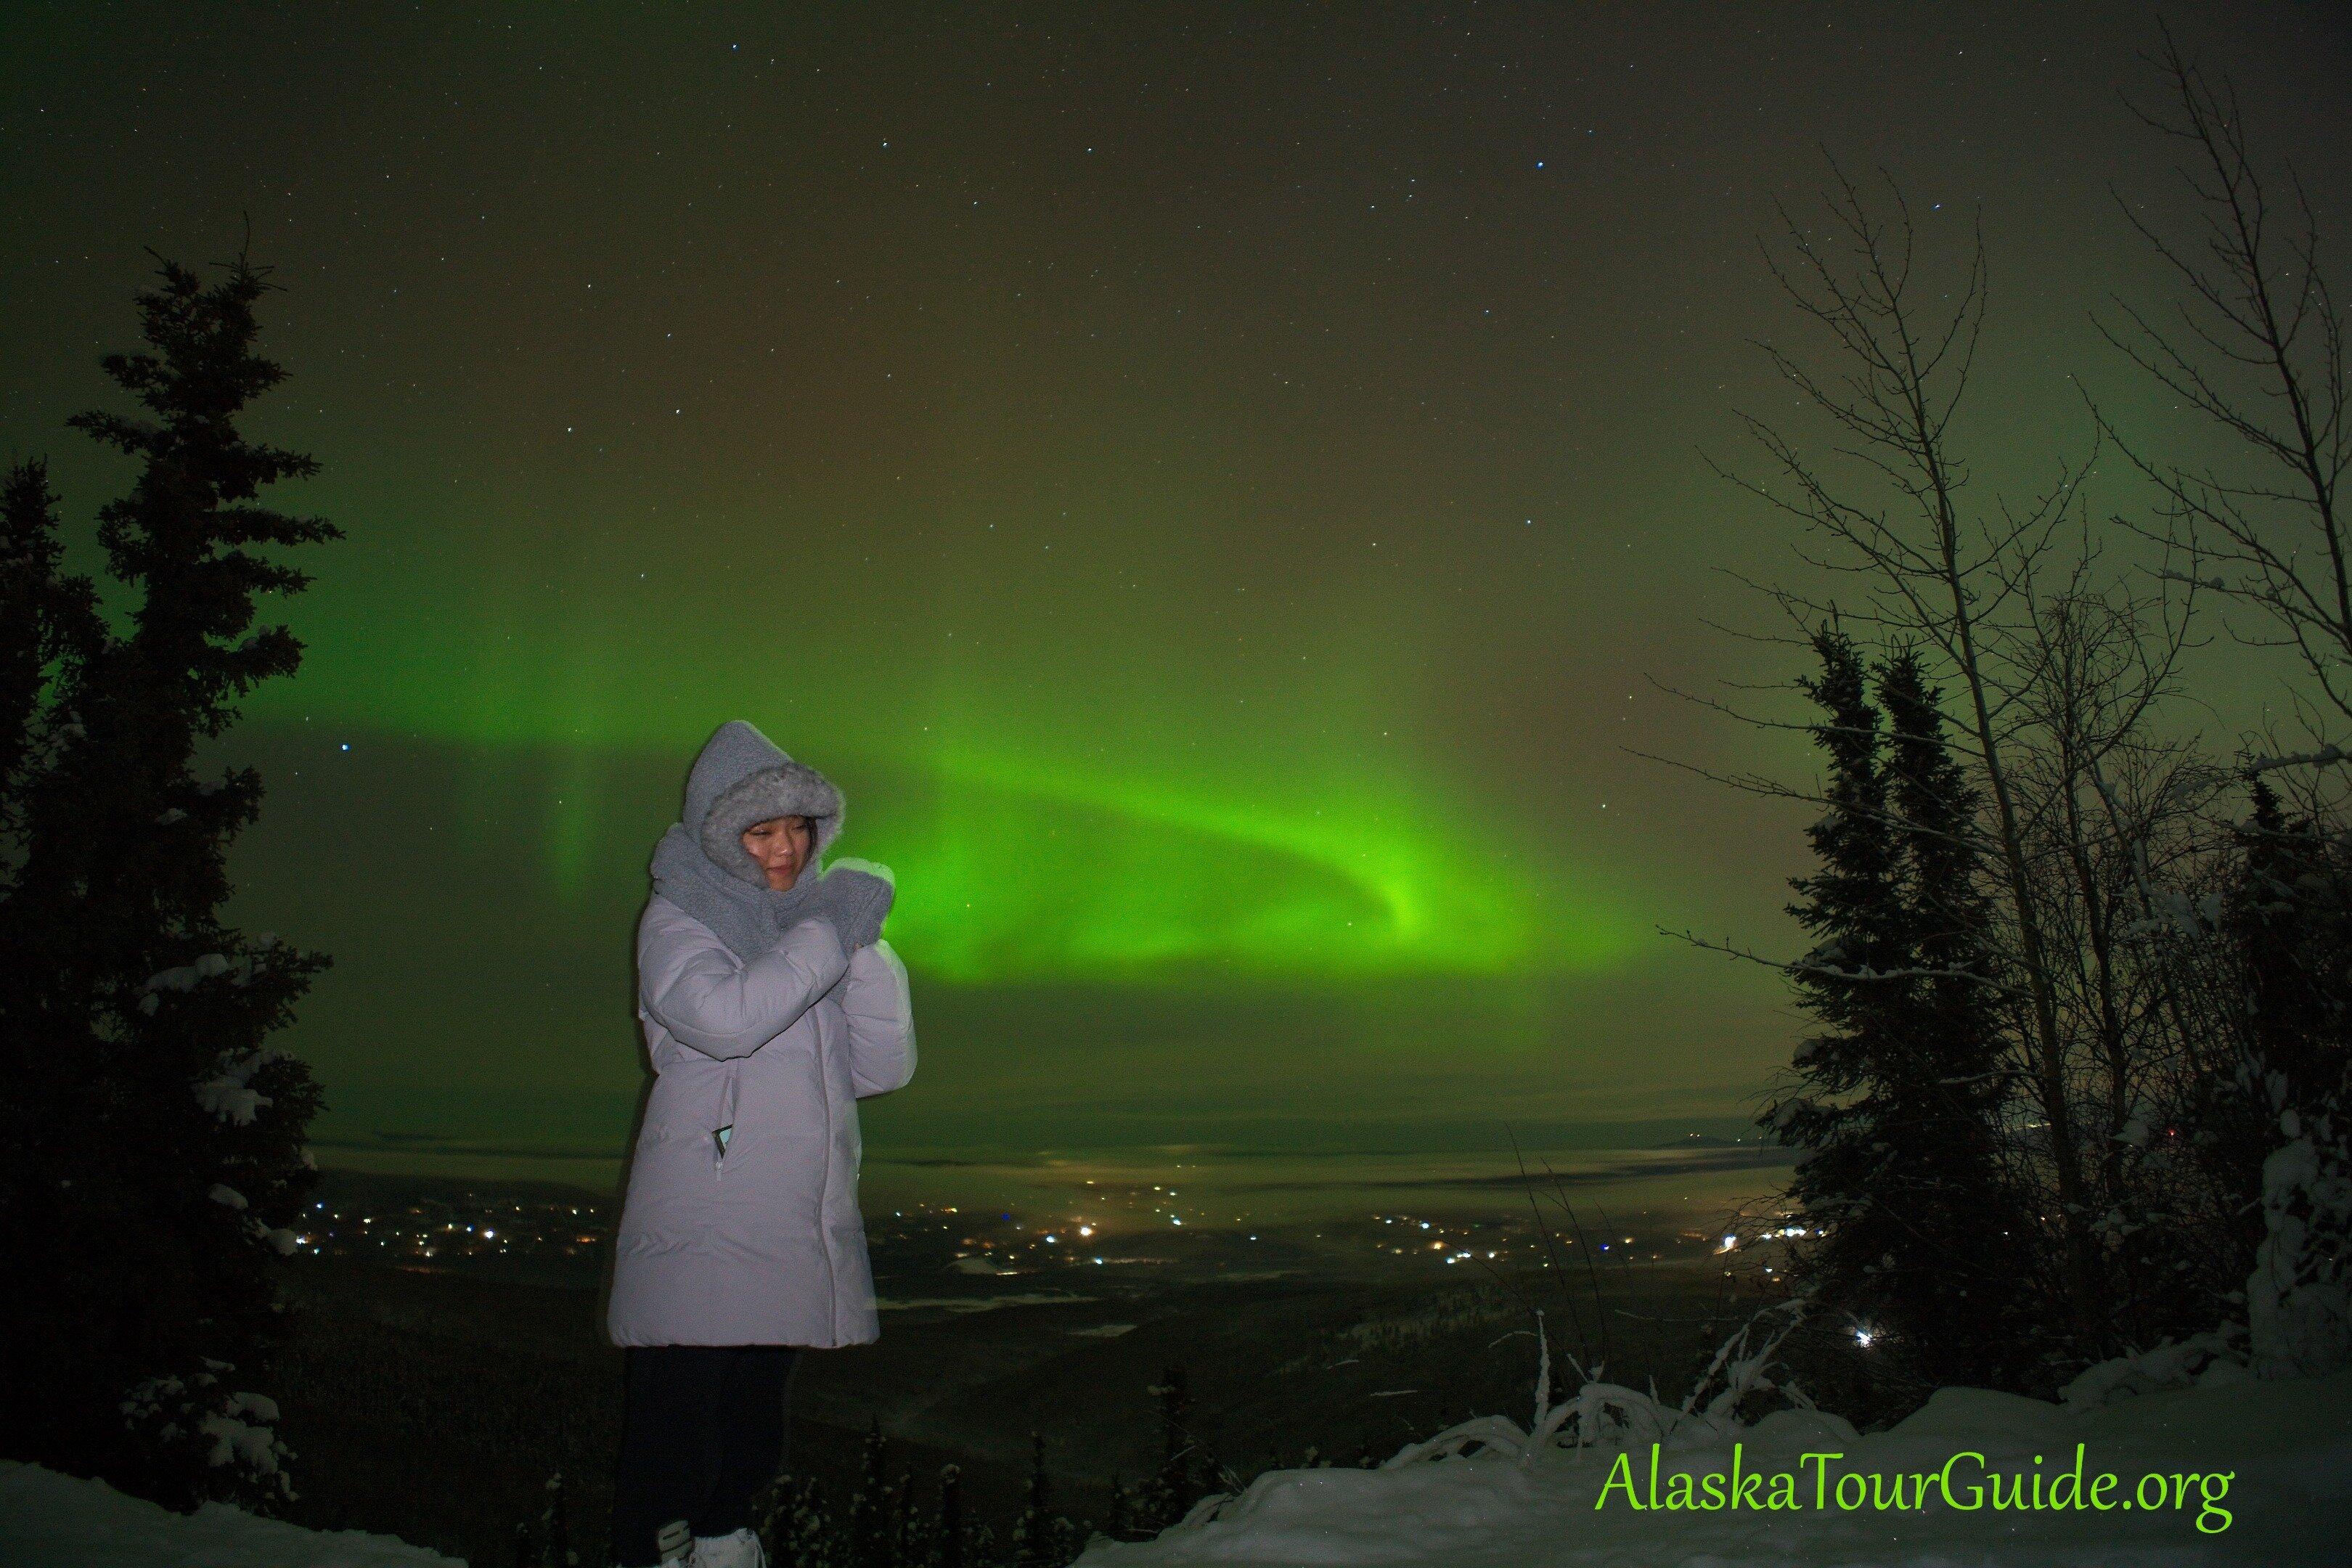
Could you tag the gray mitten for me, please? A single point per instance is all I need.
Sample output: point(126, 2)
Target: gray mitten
point(855, 901)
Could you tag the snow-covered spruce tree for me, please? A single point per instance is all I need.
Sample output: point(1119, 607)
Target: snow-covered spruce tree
point(1041, 1537)
point(914, 1529)
point(2287, 924)
point(867, 1526)
point(1908, 1224)
point(155, 1140)
point(953, 1550)
point(1164, 1497)
point(1032, 1530)
point(555, 1527)
point(1118, 1517)
point(799, 1528)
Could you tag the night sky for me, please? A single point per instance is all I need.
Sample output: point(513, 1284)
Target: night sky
point(1218, 488)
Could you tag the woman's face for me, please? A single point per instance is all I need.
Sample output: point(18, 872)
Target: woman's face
point(780, 845)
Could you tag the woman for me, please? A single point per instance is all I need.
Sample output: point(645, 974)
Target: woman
point(771, 1004)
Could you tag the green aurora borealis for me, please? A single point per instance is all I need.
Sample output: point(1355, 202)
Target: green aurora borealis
point(1222, 488)
point(1110, 824)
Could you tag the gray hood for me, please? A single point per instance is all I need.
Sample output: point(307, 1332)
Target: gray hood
point(743, 777)
point(701, 864)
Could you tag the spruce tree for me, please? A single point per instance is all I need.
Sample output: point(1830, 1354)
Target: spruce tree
point(911, 1529)
point(1911, 1231)
point(1955, 1292)
point(2287, 924)
point(556, 1520)
point(1033, 1531)
point(48, 628)
point(1118, 1519)
point(954, 1544)
point(156, 1166)
point(799, 1528)
point(869, 1522)
point(1170, 1492)
point(1850, 910)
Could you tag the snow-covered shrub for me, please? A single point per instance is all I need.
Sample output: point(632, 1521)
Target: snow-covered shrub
point(2299, 1297)
point(2199, 1359)
point(1611, 1416)
point(207, 1426)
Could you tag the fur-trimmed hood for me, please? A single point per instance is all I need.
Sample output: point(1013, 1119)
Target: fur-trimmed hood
point(743, 777)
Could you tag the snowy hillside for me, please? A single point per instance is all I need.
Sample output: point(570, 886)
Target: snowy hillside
point(59, 1521)
point(2287, 1447)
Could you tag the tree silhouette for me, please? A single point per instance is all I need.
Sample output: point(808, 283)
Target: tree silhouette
point(153, 1141)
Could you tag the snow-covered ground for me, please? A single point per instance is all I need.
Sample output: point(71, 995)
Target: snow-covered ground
point(2286, 1446)
point(49, 1521)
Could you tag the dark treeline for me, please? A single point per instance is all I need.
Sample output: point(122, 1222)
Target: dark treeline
point(2080, 1080)
point(888, 1517)
point(152, 1141)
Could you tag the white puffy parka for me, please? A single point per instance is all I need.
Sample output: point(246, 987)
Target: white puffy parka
point(759, 1241)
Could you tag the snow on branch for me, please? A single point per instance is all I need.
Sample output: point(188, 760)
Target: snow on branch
point(1811, 965)
point(242, 970)
point(2326, 756)
point(230, 1093)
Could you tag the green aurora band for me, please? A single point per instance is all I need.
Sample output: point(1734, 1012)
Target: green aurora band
point(1046, 825)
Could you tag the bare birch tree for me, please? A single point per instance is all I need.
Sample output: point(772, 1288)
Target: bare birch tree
point(2258, 351)
point(1927, 569)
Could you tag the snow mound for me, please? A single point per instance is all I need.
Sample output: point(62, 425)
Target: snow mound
point(49, 1519)
point(2286, 1446)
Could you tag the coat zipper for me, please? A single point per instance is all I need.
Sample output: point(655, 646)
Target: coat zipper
point(727, 1117)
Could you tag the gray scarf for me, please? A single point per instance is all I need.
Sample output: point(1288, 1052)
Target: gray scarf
point(700, 864)
point(748, 920)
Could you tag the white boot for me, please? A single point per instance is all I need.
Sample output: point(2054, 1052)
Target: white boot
point(741, 1549)
point(675, 1540)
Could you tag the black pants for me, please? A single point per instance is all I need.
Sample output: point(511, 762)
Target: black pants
point(702, 1429)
